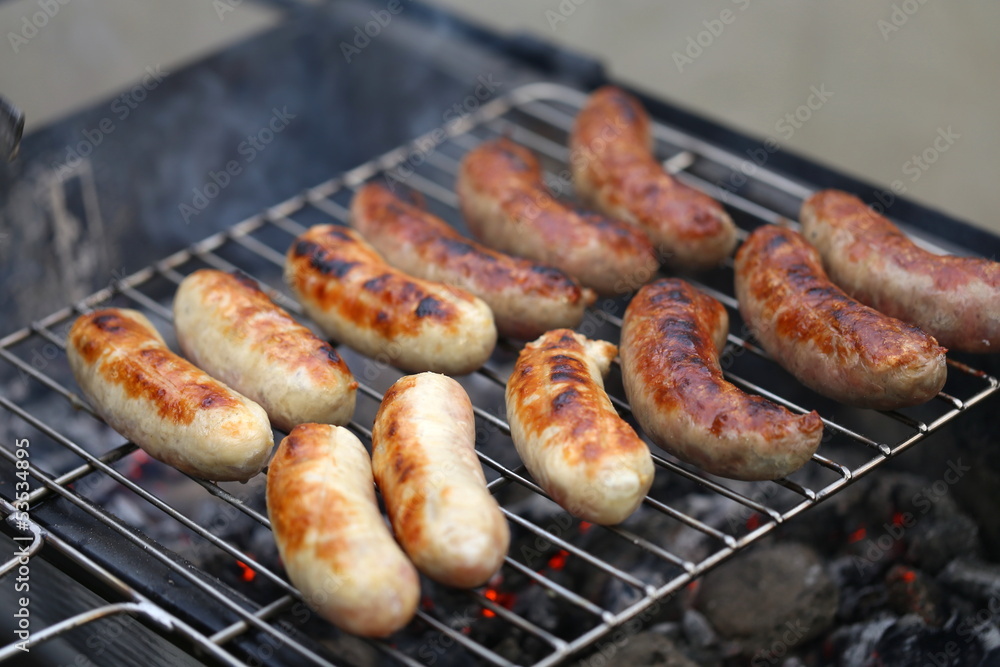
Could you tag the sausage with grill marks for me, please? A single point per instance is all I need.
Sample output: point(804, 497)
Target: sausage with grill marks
point(567, 432)
point(332, 538)
point(836, 346)
point(230, 328)
point(346, 287)
point(672, 336)
point(955, 299)
point(615, 171)
point(507, 206)
point(174, 411)
point(527, 299)
point(425, 463)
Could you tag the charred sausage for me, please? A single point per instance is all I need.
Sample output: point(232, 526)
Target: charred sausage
point(346, 287)
point(567, 432)
point(672, 336)
point(614, 170)
point(527, 299)
point(838, 347)
point(507, 206)
point(955, 299)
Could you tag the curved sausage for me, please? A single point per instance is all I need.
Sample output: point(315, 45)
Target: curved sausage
point(955, 299)
point(567, 432)
point(527, 299)
point(227, 326)
point(672, 336)
point(507, 206)
point(425, 463)
point(359, 300)
point(615, 171)
point(830, 342)
point(174, 411)
point(332, 538)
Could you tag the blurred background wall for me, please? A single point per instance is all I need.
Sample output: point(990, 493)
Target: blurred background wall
point(902, 91)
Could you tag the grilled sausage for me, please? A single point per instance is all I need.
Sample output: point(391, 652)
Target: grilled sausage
point(507, 206)
point(359, 300)
point(227, 326)
point(174, 411)
point(672, 336)
point(830, 342)
point(567, 432)
point(527, 299)
point(615, 171)
point(424, 458)
point(955, 299)
point(331, 536)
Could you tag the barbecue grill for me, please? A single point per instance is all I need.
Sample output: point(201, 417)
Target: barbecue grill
point(183, 557)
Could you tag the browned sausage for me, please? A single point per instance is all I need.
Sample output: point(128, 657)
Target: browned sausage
point(229, 327)
point(332, 538)
point(567, 432)
point(176, 412)
point(955, 299)
point(527, 299)
point(425, 463)
point(672, 336)
point(830, 342)
point(507, 206)
point(615, 171)
point(359, 300)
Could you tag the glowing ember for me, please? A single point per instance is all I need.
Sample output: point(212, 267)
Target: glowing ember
point(505, 600)
point(585, 526)
point(558, 561)
point(247, 572)
point(857, 535)
point(909, 576)
point(898, 519)
point(753, 523)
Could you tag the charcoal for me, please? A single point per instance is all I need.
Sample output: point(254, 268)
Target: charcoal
point(646, 648)
point(972, 578)
point(935, 540)
point(913, 592)
point(697, 630)
point(791, 597)
point(910, 641)
point(854, 644)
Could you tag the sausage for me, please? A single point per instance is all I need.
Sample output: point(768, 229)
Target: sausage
point(567, 432)
point(330, 534)
point(672, 336)
point(527, 299)
point(346, 287)
point(227, 326)
point(955, 299)
point(507, 206)
point(615, 171)
point(836, 346)
point(424, 458)
point(174, 411)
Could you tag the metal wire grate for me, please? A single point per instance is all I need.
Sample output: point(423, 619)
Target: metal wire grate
point(647, 560)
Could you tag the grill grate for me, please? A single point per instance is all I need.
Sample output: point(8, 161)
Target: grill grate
point(78, 460)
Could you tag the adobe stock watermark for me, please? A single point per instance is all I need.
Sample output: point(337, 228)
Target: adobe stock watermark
point(915, 168)
point(30, 25)
point(249, 149)
point(704, 39)
point(898, 17)
point(785, 127)
point(562, 12)
point(875, 549)
point(363, 35)
point(121, 108)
